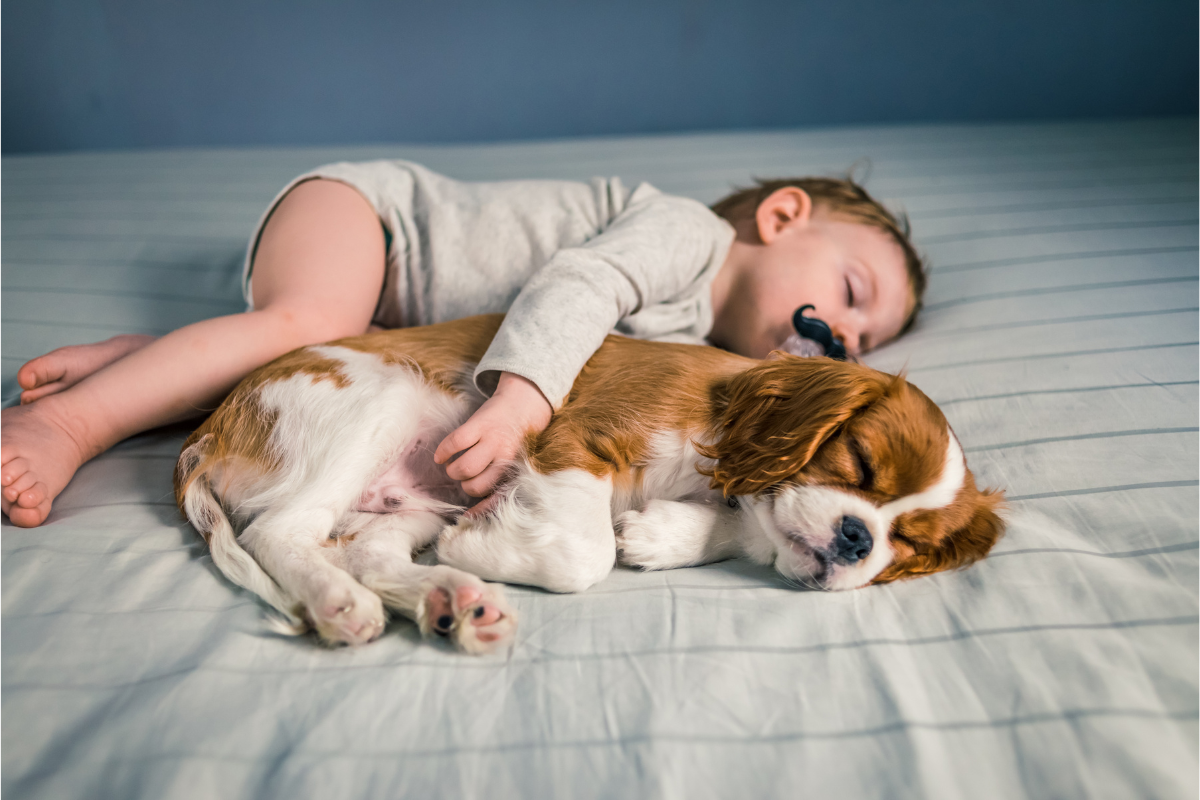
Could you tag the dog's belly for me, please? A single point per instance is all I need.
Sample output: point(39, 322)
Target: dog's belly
point(412, 480)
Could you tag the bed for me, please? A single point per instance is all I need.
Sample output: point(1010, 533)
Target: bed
point(1060, 337)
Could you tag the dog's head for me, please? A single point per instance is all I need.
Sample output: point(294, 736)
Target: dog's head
point(853, 475)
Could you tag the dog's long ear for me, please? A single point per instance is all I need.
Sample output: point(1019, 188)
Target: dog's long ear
point(955, 549)
point(773, 417)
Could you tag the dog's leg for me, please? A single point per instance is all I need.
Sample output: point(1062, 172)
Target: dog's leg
point(669, 534)
point(379, 551)
point(290, 546)
point(554, 531)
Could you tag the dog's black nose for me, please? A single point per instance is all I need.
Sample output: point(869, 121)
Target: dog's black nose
point(853, 541)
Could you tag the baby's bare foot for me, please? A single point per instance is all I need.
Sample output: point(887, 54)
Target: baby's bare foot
point(63, 368)
point(38, 456)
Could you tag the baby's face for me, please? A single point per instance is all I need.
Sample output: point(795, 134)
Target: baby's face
point(852, 273)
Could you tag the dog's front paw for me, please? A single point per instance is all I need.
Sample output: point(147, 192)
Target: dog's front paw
point(668, 534)
point(640, 537)
point(471, 613)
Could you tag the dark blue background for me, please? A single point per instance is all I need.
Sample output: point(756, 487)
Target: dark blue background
point(135, 73)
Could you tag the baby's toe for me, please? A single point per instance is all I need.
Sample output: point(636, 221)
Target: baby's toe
point(30, 395)
point(13, 470)
point(27, 375)
point(20, 485)
point(40, 371)
point(29, 517)
point(34, 496)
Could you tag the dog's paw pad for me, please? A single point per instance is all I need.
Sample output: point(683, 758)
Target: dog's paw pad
point(473, 614)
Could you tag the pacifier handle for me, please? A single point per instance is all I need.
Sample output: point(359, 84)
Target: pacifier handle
point(819, 332)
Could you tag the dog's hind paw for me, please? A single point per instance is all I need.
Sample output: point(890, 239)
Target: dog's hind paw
point(348, 613)
point(471, 613)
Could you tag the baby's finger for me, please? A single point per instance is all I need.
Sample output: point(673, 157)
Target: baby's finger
point(484, 506)
point(456, 441)
point(485, 481)
point(472, 462)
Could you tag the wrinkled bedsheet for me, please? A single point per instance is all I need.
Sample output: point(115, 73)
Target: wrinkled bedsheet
point(1060, 337)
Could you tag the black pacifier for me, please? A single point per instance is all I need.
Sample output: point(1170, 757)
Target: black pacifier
point(819, 332)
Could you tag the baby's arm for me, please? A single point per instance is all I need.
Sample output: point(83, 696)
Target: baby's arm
point(660, 248)
point(655, 250)
point(493, 435)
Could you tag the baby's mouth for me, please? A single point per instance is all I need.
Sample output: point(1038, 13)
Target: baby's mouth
point(813, 337)
point(798, 345)
point(804, 347)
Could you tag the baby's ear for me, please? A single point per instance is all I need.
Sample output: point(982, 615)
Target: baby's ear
point(782, 209)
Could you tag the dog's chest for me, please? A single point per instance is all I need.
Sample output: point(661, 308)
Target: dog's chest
point(668, 473)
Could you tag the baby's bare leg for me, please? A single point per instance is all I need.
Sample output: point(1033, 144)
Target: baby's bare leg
point(317, 276)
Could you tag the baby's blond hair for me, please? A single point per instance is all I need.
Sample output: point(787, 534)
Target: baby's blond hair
point(844, 197)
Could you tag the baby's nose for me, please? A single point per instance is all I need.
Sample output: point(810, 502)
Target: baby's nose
point(850, 337)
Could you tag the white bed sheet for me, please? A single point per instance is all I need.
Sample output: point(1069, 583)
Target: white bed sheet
point(1060, 337)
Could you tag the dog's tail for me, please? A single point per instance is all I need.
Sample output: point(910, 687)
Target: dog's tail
point(198, 501)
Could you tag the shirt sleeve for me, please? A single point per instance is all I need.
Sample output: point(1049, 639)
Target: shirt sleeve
point(655, 250)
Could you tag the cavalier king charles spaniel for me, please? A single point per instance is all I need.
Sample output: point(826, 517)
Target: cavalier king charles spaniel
point(314, 483)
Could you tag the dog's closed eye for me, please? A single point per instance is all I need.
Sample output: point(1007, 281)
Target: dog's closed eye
point(866, 474)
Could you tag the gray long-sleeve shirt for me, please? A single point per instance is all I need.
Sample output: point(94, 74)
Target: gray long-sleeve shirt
point(568, 261)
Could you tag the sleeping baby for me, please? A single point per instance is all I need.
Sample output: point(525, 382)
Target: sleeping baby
point(350, 248)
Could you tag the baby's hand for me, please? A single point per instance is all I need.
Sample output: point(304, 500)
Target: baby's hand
point(493, 435)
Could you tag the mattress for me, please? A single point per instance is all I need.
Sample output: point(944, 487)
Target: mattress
point(1059, 336)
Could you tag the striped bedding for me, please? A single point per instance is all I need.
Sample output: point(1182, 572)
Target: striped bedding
point(1060, 337)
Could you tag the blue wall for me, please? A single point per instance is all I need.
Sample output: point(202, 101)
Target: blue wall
point(87, 74)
